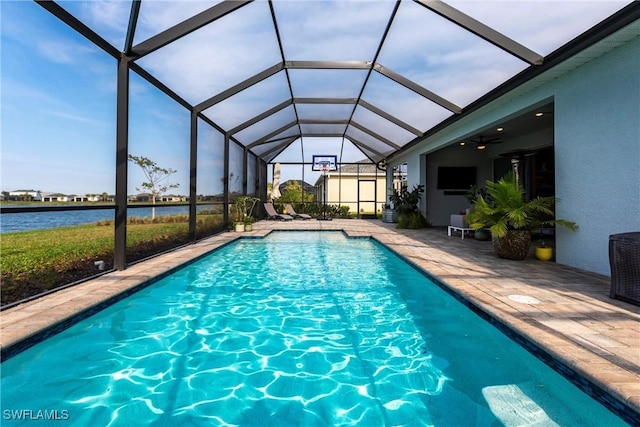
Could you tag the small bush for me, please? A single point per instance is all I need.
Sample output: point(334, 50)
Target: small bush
point(334, 211)
point(412, 220)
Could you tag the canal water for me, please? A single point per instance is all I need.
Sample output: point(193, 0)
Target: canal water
point(25, 221)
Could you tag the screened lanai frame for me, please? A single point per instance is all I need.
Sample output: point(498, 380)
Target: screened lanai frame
point(364, 114)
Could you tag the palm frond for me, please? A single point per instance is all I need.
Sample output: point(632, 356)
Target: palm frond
point(508, 209)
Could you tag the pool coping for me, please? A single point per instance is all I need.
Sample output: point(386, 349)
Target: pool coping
point(25, 324)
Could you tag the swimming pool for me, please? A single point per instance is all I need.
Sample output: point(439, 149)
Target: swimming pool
point(305, 328)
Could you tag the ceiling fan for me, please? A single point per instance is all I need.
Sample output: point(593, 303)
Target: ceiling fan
point(481, 141)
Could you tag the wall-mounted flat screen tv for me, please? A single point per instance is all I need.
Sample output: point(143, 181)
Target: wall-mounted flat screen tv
point(456, 178)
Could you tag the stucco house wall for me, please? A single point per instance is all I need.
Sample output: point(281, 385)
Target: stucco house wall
point(34, 194)
point(597, 152)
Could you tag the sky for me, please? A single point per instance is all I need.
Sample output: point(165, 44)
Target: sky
point(58, 91)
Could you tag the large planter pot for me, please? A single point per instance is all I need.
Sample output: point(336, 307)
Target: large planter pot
point(513, 245)
point(544, 253)
point(239, 227)
point(482, 234)
point(389, 215)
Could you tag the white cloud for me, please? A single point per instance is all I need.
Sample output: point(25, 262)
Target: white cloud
point(107, 13)
point(218, 56)
point(60, 51)
point(541, 25)
point(14, 91)
point(15, 95)
point(250, 102)
point(108, 18)
point(331, 30)
point(157, 16)
point(74, 117)
point(461, 67)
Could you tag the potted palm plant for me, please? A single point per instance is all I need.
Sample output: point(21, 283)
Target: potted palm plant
point(511, 219)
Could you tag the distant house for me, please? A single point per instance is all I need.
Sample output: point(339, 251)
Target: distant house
point(27, 195)
point(85, 198)
point(361, 186)
point(141, 197)
point(54, 197)
point(173, 198)
point(146, 198)
point(210, 198)
point(89, 198)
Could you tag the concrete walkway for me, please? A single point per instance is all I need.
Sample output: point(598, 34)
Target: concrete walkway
point(565, 311)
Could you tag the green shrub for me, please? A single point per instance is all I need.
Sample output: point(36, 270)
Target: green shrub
point(412, 220)
point(406, 203)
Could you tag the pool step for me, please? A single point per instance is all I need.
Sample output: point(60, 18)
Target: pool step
point(522, 404)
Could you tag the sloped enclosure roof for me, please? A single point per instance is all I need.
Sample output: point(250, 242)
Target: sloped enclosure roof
point(289, 79)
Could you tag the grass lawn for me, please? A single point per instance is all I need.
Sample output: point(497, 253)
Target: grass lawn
point(35, 261)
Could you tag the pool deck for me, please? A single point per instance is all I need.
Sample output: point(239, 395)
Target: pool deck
point(566, 311)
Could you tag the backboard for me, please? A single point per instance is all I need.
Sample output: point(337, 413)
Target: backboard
point(323, 163)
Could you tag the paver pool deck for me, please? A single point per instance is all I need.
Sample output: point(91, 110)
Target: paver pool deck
point(564, 310)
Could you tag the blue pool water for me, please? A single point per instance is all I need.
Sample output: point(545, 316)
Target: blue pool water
point(297, 329)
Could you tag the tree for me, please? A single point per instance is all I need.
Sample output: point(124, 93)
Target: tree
point(156, 177)
point(294, 193)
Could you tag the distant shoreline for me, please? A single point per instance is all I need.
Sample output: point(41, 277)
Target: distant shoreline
point(23, 203)
point(159, 204)
point(30, 218)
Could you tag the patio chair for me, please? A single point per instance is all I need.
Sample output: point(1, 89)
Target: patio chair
point(272, 214)
point(295, 214)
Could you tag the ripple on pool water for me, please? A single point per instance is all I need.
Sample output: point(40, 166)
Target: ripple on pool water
point(308, 329)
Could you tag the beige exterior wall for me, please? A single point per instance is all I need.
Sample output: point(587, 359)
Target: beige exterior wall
point(343, 190)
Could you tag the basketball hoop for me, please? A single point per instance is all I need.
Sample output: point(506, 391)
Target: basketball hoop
point(324, 164)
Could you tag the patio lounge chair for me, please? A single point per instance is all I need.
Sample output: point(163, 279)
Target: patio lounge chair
point(272, 214)
point(294, 214)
